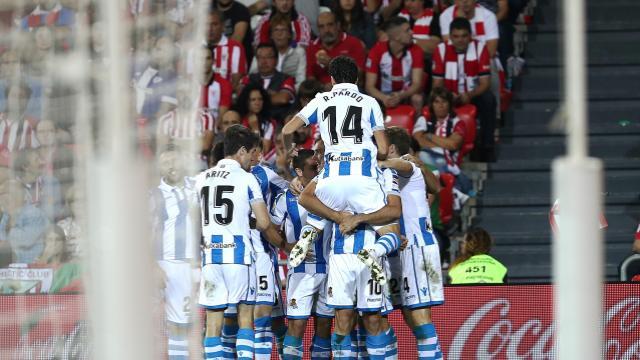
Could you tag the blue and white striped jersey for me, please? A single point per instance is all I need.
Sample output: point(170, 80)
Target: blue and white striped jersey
point(346, 119)
point(226, 194)
point(288, 213)
point(271, 184)
point(172, 223)
point(415, 222)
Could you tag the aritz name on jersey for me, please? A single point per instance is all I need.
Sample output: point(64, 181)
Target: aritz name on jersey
point(336, 157)
point(344, 92)
point(220, 174)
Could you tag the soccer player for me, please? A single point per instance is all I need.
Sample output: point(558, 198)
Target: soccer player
point(417, 278)
point(350, 180)
point(306, 283)
point(172, 204)
point(229, 194)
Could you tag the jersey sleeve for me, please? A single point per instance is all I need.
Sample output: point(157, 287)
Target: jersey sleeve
point(226, 93)
point(276, 180)
point(253, 189)
point(373, 60)
point(445, 21)
point(484, 62)
point(279, 209)
point(391, 186)
point(376, 119)
point(490, 25)
point(289, 85)
point(309, 113)
point(437, 67)
point(417, 57)
point(420, 125)
point(460, 128)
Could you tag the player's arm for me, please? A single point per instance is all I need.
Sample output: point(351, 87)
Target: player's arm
point(388, 214)
point(307, 116)
point(430, 180)
point(264, 225)
point(312, 204)
point(403, 167)
point(382, 143)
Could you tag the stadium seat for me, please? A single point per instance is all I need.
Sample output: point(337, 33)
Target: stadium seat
point(402, 116)
point(446, 197)
point(630, 268)
point(467, 114)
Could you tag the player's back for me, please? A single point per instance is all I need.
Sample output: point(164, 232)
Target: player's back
point(347, 120)
point(416, 217)
point(226, 192)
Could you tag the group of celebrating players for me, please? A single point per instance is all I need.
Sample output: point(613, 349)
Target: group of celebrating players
point(355, 222)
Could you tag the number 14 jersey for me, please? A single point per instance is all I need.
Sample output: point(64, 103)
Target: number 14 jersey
point(226, 193)
point(347, 120)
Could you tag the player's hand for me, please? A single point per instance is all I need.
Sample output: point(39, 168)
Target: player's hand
point(323, 58)
point(295, 186)
point(394, 99)
point(349, 223)
point(464, 98)
point(403, 242)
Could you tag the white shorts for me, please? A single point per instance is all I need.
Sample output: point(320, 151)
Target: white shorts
point(421, 277)
point(177, 291)
point(394, 276)
point(223, 285)
point(306, 295)
point(356, 194)
point(350, 285)
point(267, 278)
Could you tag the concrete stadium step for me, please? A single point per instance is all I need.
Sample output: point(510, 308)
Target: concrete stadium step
point(605, 82)
point(534, 261)
point(527, 188)
point(610, 15)
point(602, 146)
point(605, 118)
point(545, 164)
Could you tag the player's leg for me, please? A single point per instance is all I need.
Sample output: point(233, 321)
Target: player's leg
point(212, 340)
point(370, 303)
point(299, 304)
point(321, 341)
point(341, 290)
point(213, 296)
point(230, 332)
point(387, 242)
point(177, 305)
point(246, 335)
point(279, 325)
point(341, 337)
point(237, 280)
point(265, 299)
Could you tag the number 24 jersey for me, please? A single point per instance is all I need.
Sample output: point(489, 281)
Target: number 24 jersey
point(226, 193)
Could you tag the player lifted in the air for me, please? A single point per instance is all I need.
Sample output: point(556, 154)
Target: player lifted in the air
point(351, 180)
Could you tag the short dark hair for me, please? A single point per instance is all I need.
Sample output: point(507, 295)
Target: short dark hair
point(267, 45)
point(443, 93)
point(400, 138)
point(343, 70)
point(309, 88)
point(460, 24)
point(394, 22)
point(303, 154)
point(217, 152)
point(237, 137)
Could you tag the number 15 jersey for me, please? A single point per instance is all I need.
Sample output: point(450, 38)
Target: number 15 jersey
point(347, 120)
point(226, 193)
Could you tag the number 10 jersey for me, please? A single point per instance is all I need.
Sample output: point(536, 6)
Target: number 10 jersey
point(226, 193)
point(347, 120)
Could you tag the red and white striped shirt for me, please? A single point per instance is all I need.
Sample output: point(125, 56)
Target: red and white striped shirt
point(422, 25)
point(216, 94)
point(637, 237)
point(394, 74)
point(484, 24)
point(185, 127)
point(17, 135)
point(461, 70)
point(229, 58)
point(453, 158)
point(301, 30)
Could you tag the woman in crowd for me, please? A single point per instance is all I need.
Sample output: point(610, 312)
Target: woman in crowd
point(474, 264)
point(253, 106)
point(355, 21)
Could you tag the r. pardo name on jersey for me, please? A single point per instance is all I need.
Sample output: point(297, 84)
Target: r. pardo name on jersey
point(344, 92)
point(217, 173)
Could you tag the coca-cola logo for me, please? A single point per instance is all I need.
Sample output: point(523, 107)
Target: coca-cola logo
point(491, 333)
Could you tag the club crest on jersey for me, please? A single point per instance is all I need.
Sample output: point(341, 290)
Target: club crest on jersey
point(424, 291)
point(293, 304)
point(252, 290)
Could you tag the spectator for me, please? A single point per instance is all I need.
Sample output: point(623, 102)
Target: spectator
point(237, 22)
point(395, 68)
point(304, 137)
point(389, 9)
point(332, 42)
point(636, 241)
point(279, 86)
point(424, 23)
point(229, 118)
point(55, 249)
point(12, 70)
point(356, 21)
point(253, 105)
point(308, 90)
point(48, 13)
point(292, 59)
point(217, 92)
point(299, 23)
point(71, 225)
point(155, 85)
point(66, 274)
point(22, 224)
point(463, 67)
point(228, 55)
point(474, 264)
point(57, 160)
point(17, 131)
point(442, 135)
point(484, 24)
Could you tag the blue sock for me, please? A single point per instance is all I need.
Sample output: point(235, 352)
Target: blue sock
point(292, 348)
point(178, 348)
point(341, 346)
point(427, 340)
point(263, 338)
point(279, 334)
point(392, 344)
point(362, 343)
point(244, 344)
point(377, 346)
point(386, 244)
point(212, 347)
point(229, 335)
point(354, 343)
point(320, 348)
